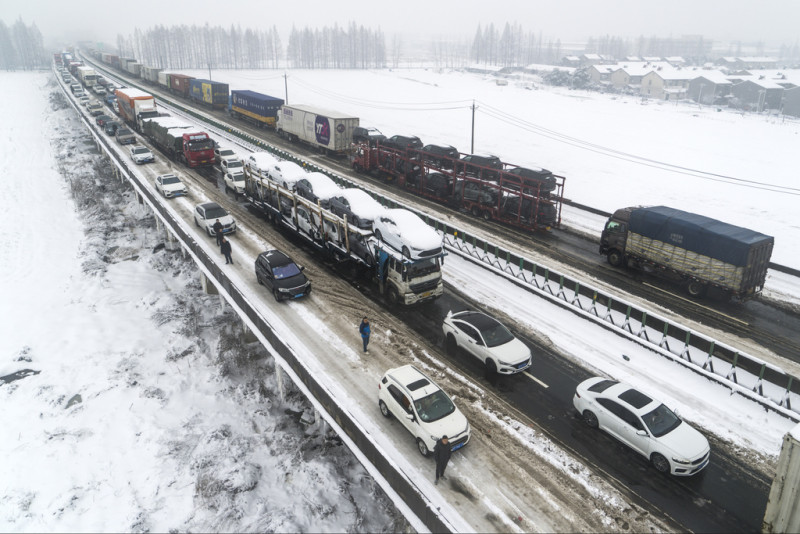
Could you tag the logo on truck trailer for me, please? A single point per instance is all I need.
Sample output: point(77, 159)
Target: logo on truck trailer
point(323, 130)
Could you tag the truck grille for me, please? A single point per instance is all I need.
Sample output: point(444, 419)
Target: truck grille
point(424, 286)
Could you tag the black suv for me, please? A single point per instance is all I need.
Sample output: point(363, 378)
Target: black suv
point(402, 142)
point(367, 135)
point(281, 275)
point(481, 166)
point(530, 181)
point(441, 156)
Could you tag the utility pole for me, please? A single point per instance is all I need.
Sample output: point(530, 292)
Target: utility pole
point(286, 87)
point(472, 144)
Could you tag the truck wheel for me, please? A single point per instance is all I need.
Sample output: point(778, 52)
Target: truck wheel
point(695, 289)
point(392, 296)
point(615, 258)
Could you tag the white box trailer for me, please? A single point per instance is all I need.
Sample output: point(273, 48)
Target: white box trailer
point(86, 75)
point(330, 131)
point(150, 74)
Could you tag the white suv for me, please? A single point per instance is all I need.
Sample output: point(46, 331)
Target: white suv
point(422, 407)
point(487, 339)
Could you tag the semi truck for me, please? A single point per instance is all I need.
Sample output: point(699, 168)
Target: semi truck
point(258, 108)
point(135, 105)
point(694, 250)
point(214, 94)
point(180, 141)
point(402, 281)
point(87, 76)
point(329, 131)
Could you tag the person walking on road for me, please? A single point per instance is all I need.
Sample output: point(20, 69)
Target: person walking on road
point(225, 248)
point(441, 453)
point(365, 331)
point(217, 226)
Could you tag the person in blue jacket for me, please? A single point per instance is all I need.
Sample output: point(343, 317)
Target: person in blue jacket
point(364, 329)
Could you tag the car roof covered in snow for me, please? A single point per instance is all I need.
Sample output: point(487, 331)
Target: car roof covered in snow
point(414, 229)
point(322, 185)
point(361, 203)
point(262, 160)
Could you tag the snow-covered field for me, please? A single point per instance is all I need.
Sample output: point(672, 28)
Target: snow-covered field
point(613, 151)
point(178, 424)
point(149, 411)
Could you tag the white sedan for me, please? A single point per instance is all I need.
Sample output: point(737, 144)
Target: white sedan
point(488, 340)
point(405, 232)
point(643, 424)
point(235, 181)
point(170, 186)
point(422, 407)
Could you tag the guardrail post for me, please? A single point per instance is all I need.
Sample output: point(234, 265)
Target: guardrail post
point(593, 307)
point(608, 315)
point(546, 282)
point(685, 353)
point(709, 362)
point(561, 288)
point(732, 373)
point(759, 387)
point(576, 296)
point(664, 343)
point(643, 329)
point(786, 400)
point(626, 325)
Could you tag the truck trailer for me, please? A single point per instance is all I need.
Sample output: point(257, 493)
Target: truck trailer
point(329, 131)
point(135, 105)
point(258, 108)
point(180, 141)
point(150, 74)
point(696, 251)
point(179, 84)
point(356, 251)
point(214, 94)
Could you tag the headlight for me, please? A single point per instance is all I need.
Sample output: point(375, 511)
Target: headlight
point(434, 438)
point(501, 362)
point(681, 461)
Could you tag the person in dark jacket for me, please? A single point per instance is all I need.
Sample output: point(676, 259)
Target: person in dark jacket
point(365, 331)
point(217, 226)
point(225, 248)
point(441, 453)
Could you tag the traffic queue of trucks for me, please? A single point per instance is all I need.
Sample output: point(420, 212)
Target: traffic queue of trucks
point(180, 141)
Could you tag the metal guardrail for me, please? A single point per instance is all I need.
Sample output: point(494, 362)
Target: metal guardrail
point(746, 375)
point(760, 381)
point(339, 419)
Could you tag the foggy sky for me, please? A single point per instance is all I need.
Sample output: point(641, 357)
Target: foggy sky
point(773, 22)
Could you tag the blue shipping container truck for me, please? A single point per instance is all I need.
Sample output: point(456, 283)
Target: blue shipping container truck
point(258, 107)
point(214, 94)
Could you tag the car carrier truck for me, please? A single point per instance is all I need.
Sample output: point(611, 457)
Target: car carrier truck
point(400, 280)
point(694, 250)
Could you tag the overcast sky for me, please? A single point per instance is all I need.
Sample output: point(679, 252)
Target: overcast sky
point(774, 22)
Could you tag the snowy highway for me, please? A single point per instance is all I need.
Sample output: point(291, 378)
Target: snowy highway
point(523, 395)
point(531, 465)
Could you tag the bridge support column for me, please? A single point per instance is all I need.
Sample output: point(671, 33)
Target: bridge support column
point(208, 287)
point(783, 508)
point(279, 379)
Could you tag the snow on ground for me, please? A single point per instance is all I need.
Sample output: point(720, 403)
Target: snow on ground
point(614, 151)
point(143, 409)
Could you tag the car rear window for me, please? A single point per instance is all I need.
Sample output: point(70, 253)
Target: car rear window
point(602, 386)
point(421, 383)
point(637, 399)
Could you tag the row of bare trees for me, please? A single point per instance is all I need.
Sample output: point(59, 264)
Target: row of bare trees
point(199, 47)
point(21, 47)
point(354, 47)
point(512, 47)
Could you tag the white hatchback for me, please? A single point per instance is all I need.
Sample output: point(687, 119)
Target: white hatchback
point(404, 231)
point(643, 424)
point(487, 339)
point(422, 407)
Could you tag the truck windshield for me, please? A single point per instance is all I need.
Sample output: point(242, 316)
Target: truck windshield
point(422, 267)
point(205, 144)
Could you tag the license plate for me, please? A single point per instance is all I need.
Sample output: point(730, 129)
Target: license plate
point(299, 295)
point(458, 446)
point(426, 294)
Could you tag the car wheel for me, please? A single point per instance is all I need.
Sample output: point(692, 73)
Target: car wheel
point(197, 224)
point(660, 463)
point(491, 367)
point(487, 215)
point(258, 279)
point(590, 419)
point(406, 252)
point(422, 448)
point(476, 212)
point(384, 409)
point(450, 344)
point(276, 295)
point(208, 231)
point(614, 258)
point(378, 236)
